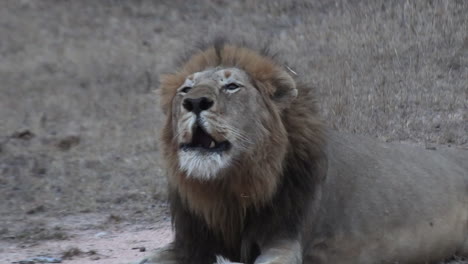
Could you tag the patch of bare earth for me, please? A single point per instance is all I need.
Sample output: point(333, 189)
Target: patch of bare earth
point(83, 238)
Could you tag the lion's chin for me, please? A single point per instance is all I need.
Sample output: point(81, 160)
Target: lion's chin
point(202, 165)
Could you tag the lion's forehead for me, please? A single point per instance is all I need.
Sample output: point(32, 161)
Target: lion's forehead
point(217, 75)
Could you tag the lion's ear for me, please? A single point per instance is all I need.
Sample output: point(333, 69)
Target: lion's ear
point(285, 91)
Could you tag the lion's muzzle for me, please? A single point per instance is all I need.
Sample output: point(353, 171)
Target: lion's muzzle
point(204, 142)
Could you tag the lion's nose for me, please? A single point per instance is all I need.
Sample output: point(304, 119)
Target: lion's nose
point(196, 105)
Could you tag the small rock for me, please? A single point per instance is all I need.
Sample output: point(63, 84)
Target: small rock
point(35, 210)
point(71, 252)
point(47, 260)
point(141, 249)
point(68, 142)
point(40, 259)
point(23, 134)
point(101, 234)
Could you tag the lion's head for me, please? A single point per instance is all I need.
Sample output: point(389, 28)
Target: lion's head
point(227, 132)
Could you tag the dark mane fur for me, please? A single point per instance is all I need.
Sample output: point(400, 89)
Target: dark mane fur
point(303, 169)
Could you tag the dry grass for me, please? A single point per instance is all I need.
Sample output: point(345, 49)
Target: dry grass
point(79, 121)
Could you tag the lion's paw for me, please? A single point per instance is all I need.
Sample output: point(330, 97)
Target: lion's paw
point(222, 260)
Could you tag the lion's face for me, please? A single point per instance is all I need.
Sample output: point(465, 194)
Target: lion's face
point(224, 121)
point(217, 119)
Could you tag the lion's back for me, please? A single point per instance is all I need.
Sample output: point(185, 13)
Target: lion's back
point(384, 189)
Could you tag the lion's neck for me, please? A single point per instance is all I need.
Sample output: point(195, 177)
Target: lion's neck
point(223, 203)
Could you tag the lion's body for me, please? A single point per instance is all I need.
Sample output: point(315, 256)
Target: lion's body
point(390, 203)
point(254, 177)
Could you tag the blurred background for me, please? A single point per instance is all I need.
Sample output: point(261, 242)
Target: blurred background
point(79, 114)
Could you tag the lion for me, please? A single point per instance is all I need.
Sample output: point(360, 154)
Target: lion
point(255, 177)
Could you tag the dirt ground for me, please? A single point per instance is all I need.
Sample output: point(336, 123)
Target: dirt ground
point(84, 238)
point(80, 172)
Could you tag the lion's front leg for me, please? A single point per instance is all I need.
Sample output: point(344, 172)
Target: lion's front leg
point(280, 252)
point(164, 255)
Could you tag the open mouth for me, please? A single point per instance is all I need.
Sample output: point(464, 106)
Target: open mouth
point(202, 141)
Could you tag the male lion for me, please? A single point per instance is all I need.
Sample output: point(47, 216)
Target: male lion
point(255, 178)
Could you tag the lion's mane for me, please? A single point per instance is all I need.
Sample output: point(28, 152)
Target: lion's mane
point(233, 210)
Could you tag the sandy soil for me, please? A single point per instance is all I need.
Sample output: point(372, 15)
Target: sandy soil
point(114, 243)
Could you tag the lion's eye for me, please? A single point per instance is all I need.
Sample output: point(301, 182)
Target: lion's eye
point(185, 89)
point(231, 86)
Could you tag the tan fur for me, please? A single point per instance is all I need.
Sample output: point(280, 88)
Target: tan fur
point(261, 69)
point(209, 199)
